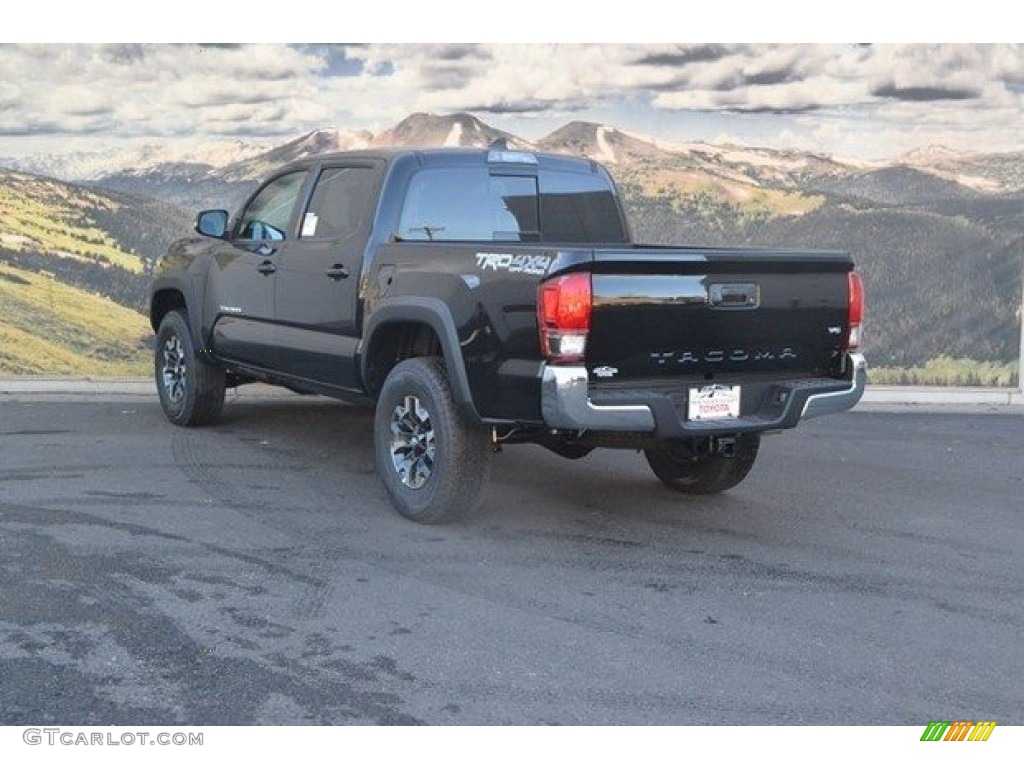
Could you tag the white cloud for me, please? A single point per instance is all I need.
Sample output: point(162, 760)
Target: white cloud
point(181, 91)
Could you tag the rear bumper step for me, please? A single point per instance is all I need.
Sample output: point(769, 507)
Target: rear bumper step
point(836, 402)
point(567, 402)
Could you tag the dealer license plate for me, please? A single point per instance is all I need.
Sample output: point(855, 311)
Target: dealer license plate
point(714, 401)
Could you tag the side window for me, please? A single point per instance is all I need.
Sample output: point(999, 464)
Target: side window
point(579, 208)
point(469, 204)
point(268, 215)
point(340, 203)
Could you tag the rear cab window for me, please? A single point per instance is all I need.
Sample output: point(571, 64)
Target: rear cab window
point(481, 203)
point(579, 208)
point(469, 204)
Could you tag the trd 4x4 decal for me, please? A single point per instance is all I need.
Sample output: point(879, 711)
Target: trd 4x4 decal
point(524, 263)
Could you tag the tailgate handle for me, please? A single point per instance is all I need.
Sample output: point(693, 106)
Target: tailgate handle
point(735, 295)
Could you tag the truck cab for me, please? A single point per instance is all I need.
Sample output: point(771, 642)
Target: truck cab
point(482, 298)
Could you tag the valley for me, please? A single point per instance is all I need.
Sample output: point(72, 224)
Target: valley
point(938, 235)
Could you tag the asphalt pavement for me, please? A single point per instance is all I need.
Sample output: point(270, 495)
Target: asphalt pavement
point(869, 571)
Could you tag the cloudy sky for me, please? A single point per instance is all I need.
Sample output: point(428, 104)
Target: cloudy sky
point(853, 101)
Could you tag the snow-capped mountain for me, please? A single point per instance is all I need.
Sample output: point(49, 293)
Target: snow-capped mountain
point(89, 166)
point(946, 217)
point(458, 130)
point(225, 182)
point(313, 143)
point(625, 152)
point(602, 143)
point(982, 172)
point(222, 172)
point(931, 155)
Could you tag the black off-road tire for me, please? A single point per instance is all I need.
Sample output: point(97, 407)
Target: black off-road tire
point(433, 464)
point(706, 474)
point(191, 388)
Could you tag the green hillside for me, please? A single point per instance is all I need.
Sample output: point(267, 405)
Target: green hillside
point(707, 196)
point(939, 247)
point(47, 327)
point(74, 266)
point(942, 279)
point(48, 215)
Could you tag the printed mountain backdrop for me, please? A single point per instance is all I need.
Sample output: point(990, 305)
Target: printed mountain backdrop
point(937, 234)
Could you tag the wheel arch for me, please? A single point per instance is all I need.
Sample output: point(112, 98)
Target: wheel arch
point(165, 300)
point(170, 295)
point(409, 316)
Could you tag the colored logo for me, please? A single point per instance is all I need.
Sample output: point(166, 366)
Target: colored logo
point(958, 730)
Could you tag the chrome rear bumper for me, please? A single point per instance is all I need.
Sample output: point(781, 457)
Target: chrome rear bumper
point(836, 402)
point(566, 404)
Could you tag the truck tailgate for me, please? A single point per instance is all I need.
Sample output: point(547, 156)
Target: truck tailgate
point(716, 315)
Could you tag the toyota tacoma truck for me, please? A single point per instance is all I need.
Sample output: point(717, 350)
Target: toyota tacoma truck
point(482, 298)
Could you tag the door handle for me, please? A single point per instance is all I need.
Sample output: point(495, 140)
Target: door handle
point(337, 272)
point(260, 249)
point(267, 268)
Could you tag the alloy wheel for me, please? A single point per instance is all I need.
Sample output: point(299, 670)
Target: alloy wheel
point(413, 447)
point(174, 369)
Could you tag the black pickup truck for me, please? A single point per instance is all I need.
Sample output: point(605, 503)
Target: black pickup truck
point(488, 297)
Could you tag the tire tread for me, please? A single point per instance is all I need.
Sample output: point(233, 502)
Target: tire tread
point(206, 386)
point(709, 474)
point(460, 482)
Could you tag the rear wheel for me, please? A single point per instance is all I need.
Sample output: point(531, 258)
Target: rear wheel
point(706, 473)
point(191, 388)
point(433, 464)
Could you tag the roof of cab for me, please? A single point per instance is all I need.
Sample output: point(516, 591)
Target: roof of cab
point(432, 155)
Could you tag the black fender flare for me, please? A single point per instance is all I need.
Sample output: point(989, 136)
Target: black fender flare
point(435, 314)
point(193, 306)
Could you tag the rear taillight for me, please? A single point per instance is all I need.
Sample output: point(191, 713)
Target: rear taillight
point(855, 320)
point(563, 315)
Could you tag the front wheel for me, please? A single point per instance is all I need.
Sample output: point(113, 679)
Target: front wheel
point(433, 464)
point(706, 473)
point(191, 389)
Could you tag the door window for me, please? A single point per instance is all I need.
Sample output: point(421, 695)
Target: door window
point(340, 205)
point(268, 215)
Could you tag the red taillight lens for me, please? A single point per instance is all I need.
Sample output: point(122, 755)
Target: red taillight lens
point(855, 319)
point(563, 315)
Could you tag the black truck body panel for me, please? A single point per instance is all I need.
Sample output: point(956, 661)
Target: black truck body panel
point(314, 313)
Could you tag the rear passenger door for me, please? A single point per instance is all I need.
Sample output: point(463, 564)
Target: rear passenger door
point(317, 287)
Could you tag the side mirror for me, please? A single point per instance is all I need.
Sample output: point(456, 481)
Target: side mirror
point(212, 223)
